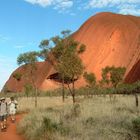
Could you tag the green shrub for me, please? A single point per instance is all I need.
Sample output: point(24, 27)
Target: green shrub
point(48, 125)
point(76, 110)
point(17, 76)
point(136, 127)
point(50, 128)
point(90, 121)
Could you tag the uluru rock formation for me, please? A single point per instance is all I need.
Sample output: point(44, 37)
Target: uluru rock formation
point(110, 39)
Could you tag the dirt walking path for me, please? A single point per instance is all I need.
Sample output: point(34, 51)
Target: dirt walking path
point(11, 133)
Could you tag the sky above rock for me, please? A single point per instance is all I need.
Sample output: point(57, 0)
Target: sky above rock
point(24, 23)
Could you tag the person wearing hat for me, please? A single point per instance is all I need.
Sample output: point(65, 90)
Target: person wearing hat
point(3, 113)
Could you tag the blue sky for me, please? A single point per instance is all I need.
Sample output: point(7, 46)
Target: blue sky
point(24, 23)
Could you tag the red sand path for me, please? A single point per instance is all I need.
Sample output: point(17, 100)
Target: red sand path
point(11, 133)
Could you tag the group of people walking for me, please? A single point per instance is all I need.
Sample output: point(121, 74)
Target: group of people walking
point(7, 108)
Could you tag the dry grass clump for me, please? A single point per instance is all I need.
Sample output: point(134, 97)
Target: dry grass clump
point(28, 104)
point(96, 118)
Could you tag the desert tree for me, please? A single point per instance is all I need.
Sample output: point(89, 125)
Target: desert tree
point(60, 43)
point(71, 67)
point(69, 64)
point(105, 81)
point(112, 75)
point(65, 55)
point(117, 75)
point(29, 60)
point(90, 78)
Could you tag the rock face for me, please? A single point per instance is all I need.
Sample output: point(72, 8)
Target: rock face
point(110, 39)
point(134, 73)
point(40, 76)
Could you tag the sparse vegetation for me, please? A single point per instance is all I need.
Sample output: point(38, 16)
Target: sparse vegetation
point(92, 119)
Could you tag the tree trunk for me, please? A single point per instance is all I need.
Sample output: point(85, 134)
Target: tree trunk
point(63, 90)
point(73, 98)
point(136, 100)
point(73, 91)
point(138, 136)
point(69, 89)
point(34, 86)
point(35, 97)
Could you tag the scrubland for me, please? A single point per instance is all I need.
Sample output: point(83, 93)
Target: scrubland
point(91, 118)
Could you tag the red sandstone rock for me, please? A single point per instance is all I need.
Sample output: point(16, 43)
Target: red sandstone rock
point(110, 39)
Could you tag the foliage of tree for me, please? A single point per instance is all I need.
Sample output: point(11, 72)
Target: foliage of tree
point(113, 75)
point(105, 75)
point(90, 79)
point(45, 49)
point(27, 58)
point(116, 75)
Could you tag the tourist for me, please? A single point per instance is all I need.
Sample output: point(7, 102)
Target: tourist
point(3, 114)
point(12, 108)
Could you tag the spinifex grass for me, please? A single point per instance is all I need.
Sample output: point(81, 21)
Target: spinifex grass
point(96, 118)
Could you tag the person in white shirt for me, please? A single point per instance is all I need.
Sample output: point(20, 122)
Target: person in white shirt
point(12, 108)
